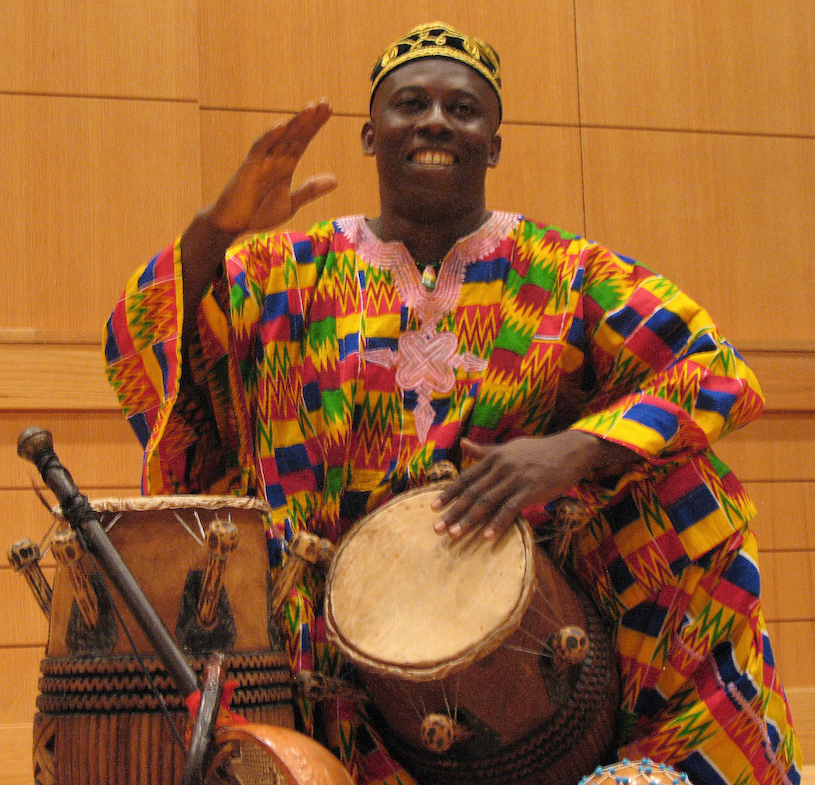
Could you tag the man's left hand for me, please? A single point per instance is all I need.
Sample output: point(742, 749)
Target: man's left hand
point(507, 478)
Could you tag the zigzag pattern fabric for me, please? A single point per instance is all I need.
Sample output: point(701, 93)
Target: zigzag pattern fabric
point(328, 379)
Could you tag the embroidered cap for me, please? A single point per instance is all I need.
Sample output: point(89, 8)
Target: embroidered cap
point(437, 39)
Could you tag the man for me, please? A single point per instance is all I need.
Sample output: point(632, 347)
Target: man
point(330, 370)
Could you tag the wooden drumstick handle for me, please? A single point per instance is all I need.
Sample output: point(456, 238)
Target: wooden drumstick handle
point(68, 552)
point(304, 549)
point(24, 557)
point(222, 540)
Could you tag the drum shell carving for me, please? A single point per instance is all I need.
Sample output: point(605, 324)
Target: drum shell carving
point(529, 725)
point(99, 718)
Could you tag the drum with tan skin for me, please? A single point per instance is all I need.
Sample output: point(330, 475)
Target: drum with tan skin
point(485, 663)
point(203, 564)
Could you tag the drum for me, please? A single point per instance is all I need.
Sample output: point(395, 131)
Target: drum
point(100, 716)
point(484, 663)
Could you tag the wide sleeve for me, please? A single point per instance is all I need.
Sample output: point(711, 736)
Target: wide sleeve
point(664, 382)
point(190, 418)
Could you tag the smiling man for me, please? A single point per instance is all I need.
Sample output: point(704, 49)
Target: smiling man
point(330, 370)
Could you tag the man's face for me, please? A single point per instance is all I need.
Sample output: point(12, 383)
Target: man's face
point(433, 131)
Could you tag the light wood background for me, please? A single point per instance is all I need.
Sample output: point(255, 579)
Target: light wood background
point(679, 132)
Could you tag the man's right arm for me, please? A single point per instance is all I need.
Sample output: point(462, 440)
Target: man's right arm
point(259, 197)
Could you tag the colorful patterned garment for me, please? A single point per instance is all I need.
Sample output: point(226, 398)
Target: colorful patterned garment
point(328, 378)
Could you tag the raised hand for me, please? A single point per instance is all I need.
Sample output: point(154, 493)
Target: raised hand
point(260, 196)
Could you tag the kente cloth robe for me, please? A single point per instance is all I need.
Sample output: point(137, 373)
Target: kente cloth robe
point(327, 378)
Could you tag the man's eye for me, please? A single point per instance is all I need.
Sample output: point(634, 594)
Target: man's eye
point(410, 104)
point(464, 110)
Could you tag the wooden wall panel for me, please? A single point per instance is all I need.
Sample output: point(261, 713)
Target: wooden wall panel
point(789, 586)
point(271, 55)
point(539, 175)
point(711, 212)
point(744, 67)
point(802, 703)
point(144, 48)
point(98, 448)
point(96, 186)
point(17, 767)
point(775, 448)
point(28, 627)
point(37, 376)
point(17, 692)
point(792, 644)
point(787, 378)
point(785, 514)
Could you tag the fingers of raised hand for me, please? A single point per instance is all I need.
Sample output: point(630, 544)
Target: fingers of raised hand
point(311, 189)
point(289, 140)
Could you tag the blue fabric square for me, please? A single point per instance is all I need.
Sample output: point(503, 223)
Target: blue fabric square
point(699, 770)
point(621, 578)
point(621, 514)
point(161, 357)
point(624, 321)
point(647, 618)
point(275, 304)
point(670, 328)
point(577, 334)
point(692, 507)
point(303, 251)
point(663, 422)
point(112, 351)
point(486, 270)
point(743, 572)
point(291, 459)
point(148, 275)
point(649, 702)
point(311, 396)
point(715, 401)
point(138, 422)
point(348, 345)
point(275, 496)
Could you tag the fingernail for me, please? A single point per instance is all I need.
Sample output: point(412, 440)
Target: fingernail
point(440, 526)
point(489, 534)
point(454, 530)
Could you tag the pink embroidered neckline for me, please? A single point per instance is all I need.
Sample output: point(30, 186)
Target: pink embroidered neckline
point(430, 307)
point(426, 359)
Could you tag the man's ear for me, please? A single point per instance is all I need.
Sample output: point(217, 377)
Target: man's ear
point(367, 138)
point(495, 150)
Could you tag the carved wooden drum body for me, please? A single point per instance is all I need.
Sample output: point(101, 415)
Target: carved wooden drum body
point(485, 663)
point(99, 709)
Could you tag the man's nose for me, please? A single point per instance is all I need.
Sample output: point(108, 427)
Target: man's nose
point(434, 119)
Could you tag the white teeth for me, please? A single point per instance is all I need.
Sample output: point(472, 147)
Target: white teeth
point(433, 158)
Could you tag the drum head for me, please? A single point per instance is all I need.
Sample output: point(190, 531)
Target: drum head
point(406, 601)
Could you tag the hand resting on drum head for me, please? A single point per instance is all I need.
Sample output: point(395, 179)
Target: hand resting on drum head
point(507, 478)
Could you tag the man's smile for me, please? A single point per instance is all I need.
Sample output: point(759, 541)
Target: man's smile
point(427, 157)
